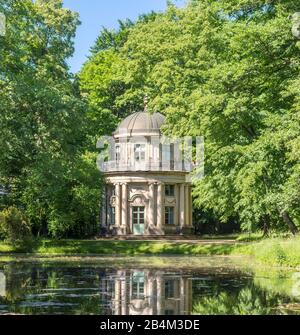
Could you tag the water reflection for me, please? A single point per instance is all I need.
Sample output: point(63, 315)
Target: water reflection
point(93, 289)
point(147, 292)
point(2, 284)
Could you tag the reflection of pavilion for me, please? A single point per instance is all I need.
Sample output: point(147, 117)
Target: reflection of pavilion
point(136, 292)
point(2, 285)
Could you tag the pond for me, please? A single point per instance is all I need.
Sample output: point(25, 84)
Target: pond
point(151, 286)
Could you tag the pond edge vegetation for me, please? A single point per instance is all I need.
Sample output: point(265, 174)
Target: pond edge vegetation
point(277, 251)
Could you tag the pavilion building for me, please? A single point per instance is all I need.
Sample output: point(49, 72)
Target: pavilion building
point(147, 191)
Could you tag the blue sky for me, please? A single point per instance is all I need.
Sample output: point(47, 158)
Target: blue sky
point(97, 13)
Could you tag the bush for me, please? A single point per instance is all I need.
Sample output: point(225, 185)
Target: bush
point(14, 226)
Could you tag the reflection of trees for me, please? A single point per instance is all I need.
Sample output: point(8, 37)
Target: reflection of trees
point(278, 281)
point(38, 289)
point(249, 300)
point(89, 306)
point(70, 289)
point(16, 283)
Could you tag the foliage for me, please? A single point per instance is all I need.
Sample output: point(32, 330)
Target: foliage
point(248, 301)
point(100, 81)
point(14, 227)
point(229, 71)
point(46, 155)
point(226, 70)
point(274, 251)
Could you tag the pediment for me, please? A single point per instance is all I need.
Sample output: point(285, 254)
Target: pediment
point(138, 200)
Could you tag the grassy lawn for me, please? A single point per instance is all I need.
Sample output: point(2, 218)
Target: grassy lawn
point(275, 251)
point(129, 248)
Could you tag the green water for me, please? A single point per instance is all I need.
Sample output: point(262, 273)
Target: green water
point(149, 287)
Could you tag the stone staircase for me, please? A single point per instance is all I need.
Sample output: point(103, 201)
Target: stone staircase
point(150, 238)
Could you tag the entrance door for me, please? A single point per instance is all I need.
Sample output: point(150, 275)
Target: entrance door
point(138, 220)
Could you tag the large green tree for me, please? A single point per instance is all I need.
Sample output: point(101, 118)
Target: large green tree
point(45, 159)
point(226, 70)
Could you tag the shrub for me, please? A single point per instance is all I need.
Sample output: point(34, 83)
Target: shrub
point(14, 227)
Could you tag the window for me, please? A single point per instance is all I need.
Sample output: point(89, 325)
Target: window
point(138, 215)
point(166, 154)
point(170, 190)
point(139, 152)
point(138, 285)
point(118, 153)
point(113, 215)
point(169, 216)
point(169, 289)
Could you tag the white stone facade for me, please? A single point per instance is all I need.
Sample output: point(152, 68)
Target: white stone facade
point(145, 194)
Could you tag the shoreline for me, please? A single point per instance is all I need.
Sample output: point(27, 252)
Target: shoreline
point(274, 252)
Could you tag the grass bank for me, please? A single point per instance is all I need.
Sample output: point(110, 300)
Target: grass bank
point(127, 248)
point(274, 252)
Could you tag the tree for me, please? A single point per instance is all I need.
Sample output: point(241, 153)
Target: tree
point(44, 142)
point(14, 226)
point(224, 70)
point(101, 83)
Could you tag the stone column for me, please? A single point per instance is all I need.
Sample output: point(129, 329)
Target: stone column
point(160, 209)
point(182, 206)
point(117, 300)
point(183, 297)
point(176, 209)
point(153, 297)
point(124, 294)
point(191, 206)
point(187, 206)
point(118, 205)
point(124, 207)
point(150, 216)
point(149, 287)
point(160, 295)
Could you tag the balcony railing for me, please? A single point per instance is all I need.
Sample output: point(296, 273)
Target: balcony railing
point(115, 166)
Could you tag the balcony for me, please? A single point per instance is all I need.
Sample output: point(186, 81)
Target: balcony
point(146, 166)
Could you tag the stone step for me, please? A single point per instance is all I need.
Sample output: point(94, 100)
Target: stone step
point(150, 237)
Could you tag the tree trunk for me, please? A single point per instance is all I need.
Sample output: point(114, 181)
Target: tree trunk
point(266, 222)
point(287, 219)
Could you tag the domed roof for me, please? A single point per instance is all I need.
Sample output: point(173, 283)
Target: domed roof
point(141, 123)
